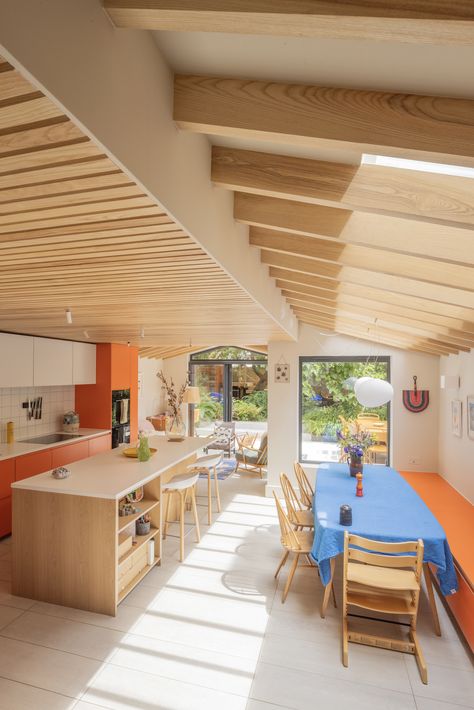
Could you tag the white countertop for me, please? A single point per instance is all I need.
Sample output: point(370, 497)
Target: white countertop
point(19, 448)
point(111, 474)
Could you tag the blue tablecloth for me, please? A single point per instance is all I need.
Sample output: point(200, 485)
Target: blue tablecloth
point(390, 511)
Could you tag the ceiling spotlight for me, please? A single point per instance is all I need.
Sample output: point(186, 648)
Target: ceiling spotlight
point(128, 343)
point(86, 334)
point(142, 333)
point(68, 315)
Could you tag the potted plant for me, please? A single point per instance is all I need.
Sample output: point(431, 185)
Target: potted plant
point(355, 445)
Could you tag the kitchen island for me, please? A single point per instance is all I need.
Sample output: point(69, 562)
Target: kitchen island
point(68, 537)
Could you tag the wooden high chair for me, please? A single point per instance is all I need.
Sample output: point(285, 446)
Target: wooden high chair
point(382, 577)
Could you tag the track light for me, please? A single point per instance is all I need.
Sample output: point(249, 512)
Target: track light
point(86, 334)
point(68, 315)
point(142, 333)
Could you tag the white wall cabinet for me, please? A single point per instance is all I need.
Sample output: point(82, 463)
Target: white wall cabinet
point(16, 360)
point(83, 363)
point(52, 362)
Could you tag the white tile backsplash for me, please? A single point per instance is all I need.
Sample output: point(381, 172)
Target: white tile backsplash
point(56, 401)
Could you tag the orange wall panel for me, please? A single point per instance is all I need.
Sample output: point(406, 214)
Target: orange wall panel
point(133, 368)
point(5, 516)
point(120, 366)
point(94, 402)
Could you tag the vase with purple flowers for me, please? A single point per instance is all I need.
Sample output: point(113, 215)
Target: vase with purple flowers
point(354, 446)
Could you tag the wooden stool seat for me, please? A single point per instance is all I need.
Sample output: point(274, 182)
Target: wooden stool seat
point(182, 484)
point(207, 465)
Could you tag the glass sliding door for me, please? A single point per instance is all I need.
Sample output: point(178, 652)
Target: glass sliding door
point(233, 387)
point(328, 404)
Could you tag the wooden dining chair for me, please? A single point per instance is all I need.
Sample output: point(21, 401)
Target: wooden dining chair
point(383, 577)
point(299, 517)
point(298, 542)
point(306, 489)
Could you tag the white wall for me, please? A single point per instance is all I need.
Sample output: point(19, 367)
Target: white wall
point(150, 400)
point(456, 455)
point(414, 436)
point(177, 369)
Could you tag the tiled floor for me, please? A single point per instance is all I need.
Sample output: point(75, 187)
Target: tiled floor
point(212, 634)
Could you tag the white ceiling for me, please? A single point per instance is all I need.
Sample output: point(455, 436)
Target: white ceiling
point(381, 66)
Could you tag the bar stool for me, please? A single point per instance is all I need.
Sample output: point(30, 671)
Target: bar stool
point(181, 484)
point(207, 465)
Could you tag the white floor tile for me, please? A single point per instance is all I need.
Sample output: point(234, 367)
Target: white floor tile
point(123, 689)
point(59, 672)
point(447, 684)
point(302, 690)
point(8, 614)
point(5, 569)
point(18, 696)
point(8, 599)
point(62, 634)
point(430, 704)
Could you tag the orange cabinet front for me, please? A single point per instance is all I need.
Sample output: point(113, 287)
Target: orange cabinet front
point(70, 453)
point(100, 444)
point(462, 606)
point(5, 516)
point(32, 464)
point(7, 476)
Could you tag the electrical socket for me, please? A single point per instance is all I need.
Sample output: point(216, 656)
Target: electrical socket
point(414, 460)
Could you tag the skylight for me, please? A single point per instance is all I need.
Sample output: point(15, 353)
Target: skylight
point(387, 161)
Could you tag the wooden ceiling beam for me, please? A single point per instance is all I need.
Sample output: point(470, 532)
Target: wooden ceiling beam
point(444, 199)
point(360, 257)
point(458, 327)
point(420, 21)
point(432, 128)
point(404, 324)
point(363, 277)
point(394, 234)
point(318, 286)
point(372, 332)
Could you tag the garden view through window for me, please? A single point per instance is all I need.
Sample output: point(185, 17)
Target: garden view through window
point(328, 405)
point(232, 385)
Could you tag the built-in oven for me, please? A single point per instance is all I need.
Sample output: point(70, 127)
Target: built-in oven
point(120, 417)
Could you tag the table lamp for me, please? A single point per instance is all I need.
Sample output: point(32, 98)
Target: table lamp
point(191, 397)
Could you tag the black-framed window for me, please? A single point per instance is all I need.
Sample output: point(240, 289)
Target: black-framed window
point(327, 403)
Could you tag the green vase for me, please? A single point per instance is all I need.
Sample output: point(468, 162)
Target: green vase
point(143, 449)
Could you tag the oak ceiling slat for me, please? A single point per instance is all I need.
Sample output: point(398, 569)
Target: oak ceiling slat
point(60, 131)
point(102, 166)
point(425, 21)
point(360, 257)
point(409, 325)
point(363, 277)
point(79, 219)
point(27, 113)
point(64, 188)
point(13, 85)
point(394, 234)
point(14, 217)
point(446, 199)
point(35, 160)
point(169, 240)
point(426, 127)
point(78, 198)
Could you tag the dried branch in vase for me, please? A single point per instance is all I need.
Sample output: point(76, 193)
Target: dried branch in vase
point(175, 400)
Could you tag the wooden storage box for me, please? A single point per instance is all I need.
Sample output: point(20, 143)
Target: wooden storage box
point(138, 563)
point(124, 543)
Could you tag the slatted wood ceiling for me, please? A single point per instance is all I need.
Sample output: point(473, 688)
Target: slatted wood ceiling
point(378, 253)
point(158, 353)
point(76, 232)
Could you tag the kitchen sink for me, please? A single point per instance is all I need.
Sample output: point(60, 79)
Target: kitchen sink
point(50, 438)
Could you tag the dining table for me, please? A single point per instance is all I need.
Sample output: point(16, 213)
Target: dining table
point(389, 510)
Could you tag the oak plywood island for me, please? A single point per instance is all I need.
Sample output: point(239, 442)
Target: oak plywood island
point(68, 537)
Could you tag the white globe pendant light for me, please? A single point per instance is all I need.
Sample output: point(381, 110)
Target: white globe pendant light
point(372, 392)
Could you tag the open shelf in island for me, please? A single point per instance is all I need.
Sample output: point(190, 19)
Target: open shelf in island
point(140, 541)
point(144, 506)
point(133, 583)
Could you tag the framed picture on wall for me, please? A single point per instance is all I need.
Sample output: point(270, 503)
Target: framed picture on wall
point(456, 417)
point(470, 416)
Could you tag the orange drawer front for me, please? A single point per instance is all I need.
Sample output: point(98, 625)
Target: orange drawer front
point(462, 606)
point(70, 453)
point(100, 444)
point(5, 516)
point(32, 464)
point(7, 476)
